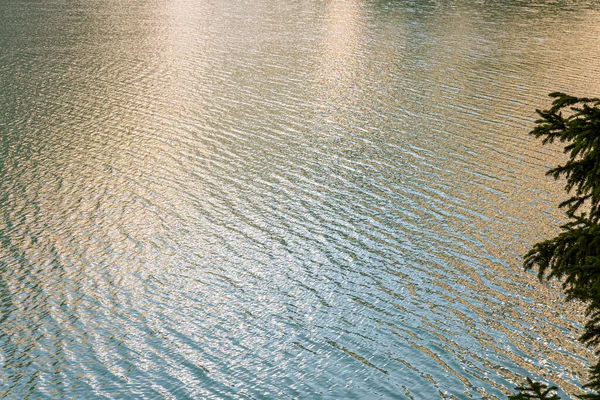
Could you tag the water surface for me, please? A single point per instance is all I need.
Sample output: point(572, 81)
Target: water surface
point(291, 199)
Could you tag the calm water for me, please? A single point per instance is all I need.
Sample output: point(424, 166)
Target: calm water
point(282, 199)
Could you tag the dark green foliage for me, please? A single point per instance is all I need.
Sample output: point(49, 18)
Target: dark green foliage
point(535, 390)
point(574, 255)
point(580, 129)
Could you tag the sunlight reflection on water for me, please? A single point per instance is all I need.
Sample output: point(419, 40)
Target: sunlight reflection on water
point(301, 199)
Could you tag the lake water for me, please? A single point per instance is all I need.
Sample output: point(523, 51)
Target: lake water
point(283, 199)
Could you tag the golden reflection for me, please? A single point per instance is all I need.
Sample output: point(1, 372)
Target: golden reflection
point(342, 37)
point(116, 221)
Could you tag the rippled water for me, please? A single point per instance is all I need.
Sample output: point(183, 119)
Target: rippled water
point(282, 199)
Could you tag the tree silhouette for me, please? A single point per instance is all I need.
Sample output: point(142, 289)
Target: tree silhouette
point(535, 390)
point(573, 256)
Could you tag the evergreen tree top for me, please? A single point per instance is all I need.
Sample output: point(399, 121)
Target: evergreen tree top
point(580, 129)
point(573, 256)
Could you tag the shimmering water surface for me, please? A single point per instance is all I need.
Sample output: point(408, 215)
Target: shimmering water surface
point(282, 199)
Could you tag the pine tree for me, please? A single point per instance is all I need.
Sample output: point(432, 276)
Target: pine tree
point(535, 390)
point(573, 256)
